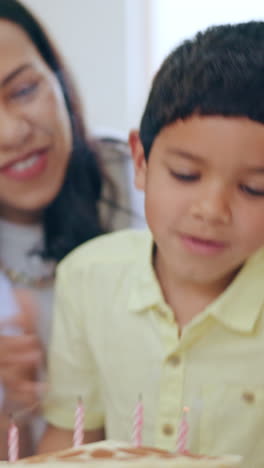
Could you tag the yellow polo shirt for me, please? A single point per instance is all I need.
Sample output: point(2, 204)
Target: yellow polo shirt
point(114, 338)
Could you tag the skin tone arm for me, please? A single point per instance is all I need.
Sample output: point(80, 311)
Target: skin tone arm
point(20, 356)
point(55, 438)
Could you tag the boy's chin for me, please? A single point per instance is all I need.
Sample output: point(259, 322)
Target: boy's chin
point(207, 277)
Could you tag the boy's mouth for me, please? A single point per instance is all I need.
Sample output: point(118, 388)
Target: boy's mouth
point(202, 246)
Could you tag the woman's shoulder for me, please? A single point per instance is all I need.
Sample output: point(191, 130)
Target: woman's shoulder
point(116, 156)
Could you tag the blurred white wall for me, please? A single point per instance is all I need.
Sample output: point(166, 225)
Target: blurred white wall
point(115, 46)
point(103, 42)
point(174, 20)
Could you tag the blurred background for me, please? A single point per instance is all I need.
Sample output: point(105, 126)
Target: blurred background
point(115, 46)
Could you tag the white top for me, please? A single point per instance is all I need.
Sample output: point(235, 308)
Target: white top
point(8, 304)
point(16, 244)
point(8, 310)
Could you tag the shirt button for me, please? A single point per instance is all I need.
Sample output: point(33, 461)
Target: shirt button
point(249, 397)
point(168, 429)
point(174, 361)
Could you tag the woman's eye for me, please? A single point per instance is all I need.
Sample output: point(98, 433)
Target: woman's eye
point(250, 191)
point(185, 177)
point(26, 90)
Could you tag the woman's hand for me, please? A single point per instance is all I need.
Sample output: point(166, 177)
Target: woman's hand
point(21, 356)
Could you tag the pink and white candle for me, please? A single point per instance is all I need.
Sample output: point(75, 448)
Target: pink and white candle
point(13, 441)
point(138, 423)
point(183, 432)
point(78, 434)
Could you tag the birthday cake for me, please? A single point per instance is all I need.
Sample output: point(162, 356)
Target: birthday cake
point(110, 454)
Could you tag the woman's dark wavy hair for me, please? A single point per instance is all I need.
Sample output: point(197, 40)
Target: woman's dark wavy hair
point(219, 72)
point(73, 216)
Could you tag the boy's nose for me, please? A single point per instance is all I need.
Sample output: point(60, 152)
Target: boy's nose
point(213, 207)
point(14, 131)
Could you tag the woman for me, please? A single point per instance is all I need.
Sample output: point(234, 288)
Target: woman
point(50, 184)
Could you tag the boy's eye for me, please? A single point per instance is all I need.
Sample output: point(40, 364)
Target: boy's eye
point(185, 177)
point(251, 191)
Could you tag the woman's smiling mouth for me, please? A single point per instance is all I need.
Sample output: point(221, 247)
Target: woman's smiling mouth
point(26, 167)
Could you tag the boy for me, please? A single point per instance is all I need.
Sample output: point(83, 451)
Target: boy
point(176, 314)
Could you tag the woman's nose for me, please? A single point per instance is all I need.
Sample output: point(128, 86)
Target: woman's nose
point(15, 130)
point(213, 206)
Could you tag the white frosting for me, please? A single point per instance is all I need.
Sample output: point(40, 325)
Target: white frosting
point(123, 459)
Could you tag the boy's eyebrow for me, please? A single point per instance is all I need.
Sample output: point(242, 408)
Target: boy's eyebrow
point(185, 154)
point(14, 73)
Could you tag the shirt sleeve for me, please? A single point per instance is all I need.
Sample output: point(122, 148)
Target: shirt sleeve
point(72, 371)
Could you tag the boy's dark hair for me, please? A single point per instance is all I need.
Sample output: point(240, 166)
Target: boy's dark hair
point(219, 72)
point(73, 217)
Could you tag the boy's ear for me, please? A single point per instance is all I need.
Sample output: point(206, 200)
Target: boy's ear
point(138, 155)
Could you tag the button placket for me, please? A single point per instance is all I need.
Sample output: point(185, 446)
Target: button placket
point(171, 390)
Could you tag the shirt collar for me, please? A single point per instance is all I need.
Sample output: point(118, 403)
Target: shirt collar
point(146, 292)
point(240, 305)
point(238, 308)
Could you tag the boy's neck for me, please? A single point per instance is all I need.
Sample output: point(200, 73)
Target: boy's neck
point(188, 299)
